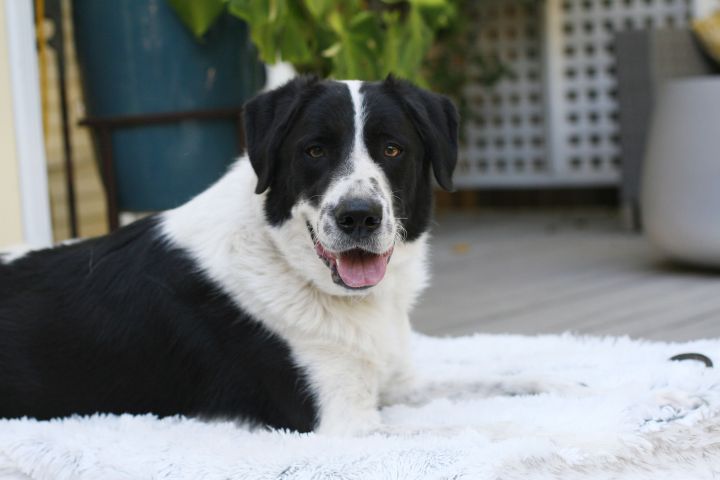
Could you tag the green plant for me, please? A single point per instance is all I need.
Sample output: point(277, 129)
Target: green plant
point(430, 42)
point(362, 39)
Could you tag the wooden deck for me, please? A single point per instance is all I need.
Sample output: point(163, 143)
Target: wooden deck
point(549, 273)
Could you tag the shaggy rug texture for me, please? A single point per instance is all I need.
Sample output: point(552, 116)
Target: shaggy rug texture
point(489, 407)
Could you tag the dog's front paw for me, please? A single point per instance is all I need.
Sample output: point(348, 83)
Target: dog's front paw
point(350, 424)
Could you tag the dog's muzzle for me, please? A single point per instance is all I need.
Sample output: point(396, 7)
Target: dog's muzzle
point(354, 268)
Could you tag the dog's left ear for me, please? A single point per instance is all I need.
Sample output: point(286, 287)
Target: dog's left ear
point(436, 121)
point(267, 117)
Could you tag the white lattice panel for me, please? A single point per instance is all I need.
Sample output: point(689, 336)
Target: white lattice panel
point(505, 134)
point(555, 121)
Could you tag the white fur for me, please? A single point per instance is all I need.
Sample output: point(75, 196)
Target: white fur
point(16, 252)
point(353, 347)
point(10, 254)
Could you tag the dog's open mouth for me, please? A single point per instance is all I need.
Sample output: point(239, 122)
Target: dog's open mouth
point(355, 268)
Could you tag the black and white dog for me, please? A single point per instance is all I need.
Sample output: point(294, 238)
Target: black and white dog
point(279, 296)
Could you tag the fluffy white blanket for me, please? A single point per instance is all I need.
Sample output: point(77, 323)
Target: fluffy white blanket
point(608, 408)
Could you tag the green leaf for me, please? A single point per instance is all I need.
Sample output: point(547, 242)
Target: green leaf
point(332, 50)
point(294, 47)
point(252, 11)
point(392, 45)
point(262, 32)
point(430, 3)
point(438, 14)
point(406, 43)
point(318, 8)
point(198, 15)
point(336, 23)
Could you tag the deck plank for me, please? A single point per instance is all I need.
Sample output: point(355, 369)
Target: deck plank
point(551, 272)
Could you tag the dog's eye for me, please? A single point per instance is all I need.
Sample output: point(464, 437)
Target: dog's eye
point(392, 150)
point(315, 151)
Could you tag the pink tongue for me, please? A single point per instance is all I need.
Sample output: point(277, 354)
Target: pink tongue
point(361, 270)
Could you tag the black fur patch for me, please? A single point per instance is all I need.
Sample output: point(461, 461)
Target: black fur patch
point(283, 123)
point(126, 324)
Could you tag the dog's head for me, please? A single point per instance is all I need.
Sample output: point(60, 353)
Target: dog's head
point(345, 168)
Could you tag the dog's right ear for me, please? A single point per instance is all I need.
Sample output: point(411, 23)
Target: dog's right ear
point(267, 117)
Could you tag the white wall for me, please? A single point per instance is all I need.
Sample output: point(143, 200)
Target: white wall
point(11, 231)
point(24, 205)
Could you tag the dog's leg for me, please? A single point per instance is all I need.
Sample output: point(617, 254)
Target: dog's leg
point(400, 377)
point(346, 390)
point(349, 407)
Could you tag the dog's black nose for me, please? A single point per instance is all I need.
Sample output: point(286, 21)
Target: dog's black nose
point(358, 217)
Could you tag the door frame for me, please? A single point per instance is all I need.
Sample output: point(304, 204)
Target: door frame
point(27, 116)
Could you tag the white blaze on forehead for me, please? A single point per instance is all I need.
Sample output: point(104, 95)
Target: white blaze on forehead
point(361, 171)
point(359, 151)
